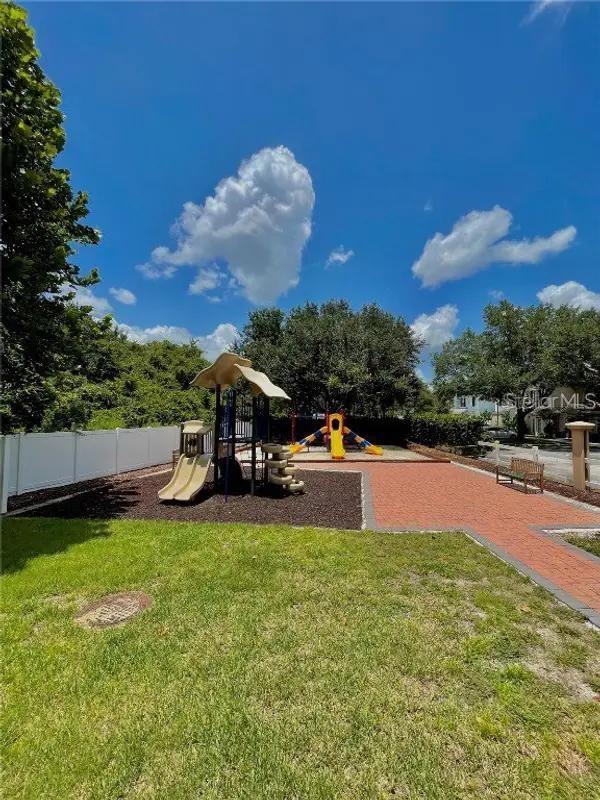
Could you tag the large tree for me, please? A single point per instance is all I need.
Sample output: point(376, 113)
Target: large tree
point(125, 384)
point(329, 357)
point(41, 222)
point(522, 348)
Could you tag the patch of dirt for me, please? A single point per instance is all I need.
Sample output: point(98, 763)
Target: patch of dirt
point(331, 500)
point(529, 750)
point(570, 762)
point(540, 660)
point(571, 679)
point(590, 496)
point(58, 600)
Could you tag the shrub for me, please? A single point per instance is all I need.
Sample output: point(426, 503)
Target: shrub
point(453, 430)
point(427, 428)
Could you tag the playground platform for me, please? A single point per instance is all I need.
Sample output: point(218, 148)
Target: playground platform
point(391, 453)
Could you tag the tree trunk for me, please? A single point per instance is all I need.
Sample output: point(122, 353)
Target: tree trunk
point(521, 427)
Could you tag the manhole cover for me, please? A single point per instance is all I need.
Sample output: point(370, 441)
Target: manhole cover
point(114, 609)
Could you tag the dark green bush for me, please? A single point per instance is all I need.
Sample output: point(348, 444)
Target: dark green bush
point(452, 430)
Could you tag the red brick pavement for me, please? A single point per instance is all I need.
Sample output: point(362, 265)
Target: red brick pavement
point(439, 496)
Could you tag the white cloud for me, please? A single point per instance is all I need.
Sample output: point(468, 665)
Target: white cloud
point(206, 279)
point(437, 328)
point(257, 222)
point(221, 339)
point(84, 296)
point(123, 296)
point(571, 294)
point(496, 294)
point(339, 256)
point(155, 271)
point(540, 6)
point(428, 206)
point(478, 240)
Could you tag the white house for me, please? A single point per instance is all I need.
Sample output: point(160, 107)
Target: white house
point(545, 415)
point(470, 404)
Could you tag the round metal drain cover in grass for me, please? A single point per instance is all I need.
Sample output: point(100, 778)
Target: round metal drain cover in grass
point(112, 610)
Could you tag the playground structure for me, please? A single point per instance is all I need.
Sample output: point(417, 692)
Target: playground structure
point(336, 434)
point(239, 427)
point(193, 465)
point(242, 427)
point(280, 467)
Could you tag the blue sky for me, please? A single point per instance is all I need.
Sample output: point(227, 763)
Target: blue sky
point(447, 153)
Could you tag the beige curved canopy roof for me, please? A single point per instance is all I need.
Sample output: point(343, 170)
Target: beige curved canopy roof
point(261, 383)
point(229, 368)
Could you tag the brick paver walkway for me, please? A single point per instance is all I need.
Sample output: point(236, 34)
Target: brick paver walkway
point(441, 496)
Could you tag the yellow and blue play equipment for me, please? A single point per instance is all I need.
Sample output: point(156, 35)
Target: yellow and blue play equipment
point(337, 433)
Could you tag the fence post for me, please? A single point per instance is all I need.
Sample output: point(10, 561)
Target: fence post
point(20, 437)
point(497, 450)
point(117, 469)
point(74, 434)
point(5, 477)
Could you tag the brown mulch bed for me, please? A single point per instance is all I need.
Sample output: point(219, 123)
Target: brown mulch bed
point(331, 500)
point(590, 496)
point(42, 495)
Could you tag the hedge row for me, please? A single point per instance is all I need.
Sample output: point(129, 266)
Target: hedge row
point(452, 430)
point(428, 429)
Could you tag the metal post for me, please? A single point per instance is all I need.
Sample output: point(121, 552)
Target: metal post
point(268, 418)
point(233, 420)
point(266, 412)
point(227, 437)
point(253, 465)
point(216, 435)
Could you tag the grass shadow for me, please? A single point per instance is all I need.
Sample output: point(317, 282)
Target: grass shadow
point(26, 538)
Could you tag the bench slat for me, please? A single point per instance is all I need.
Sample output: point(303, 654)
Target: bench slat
point(523, 469)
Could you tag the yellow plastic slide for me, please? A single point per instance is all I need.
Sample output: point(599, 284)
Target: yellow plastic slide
point(188, 478)
point(336, 436)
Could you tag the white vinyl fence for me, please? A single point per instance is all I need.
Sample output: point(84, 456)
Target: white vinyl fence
point(40, 460)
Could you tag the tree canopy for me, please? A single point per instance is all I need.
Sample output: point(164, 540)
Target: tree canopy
point(520, 348)
point(41, 223)
point(126, 384)
point(329, 357)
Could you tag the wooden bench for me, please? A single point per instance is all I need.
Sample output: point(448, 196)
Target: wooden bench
point(521, 469)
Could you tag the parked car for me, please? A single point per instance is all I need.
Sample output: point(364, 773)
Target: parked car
point(500, 434)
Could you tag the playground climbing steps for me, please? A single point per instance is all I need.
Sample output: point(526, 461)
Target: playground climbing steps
point(281, 470)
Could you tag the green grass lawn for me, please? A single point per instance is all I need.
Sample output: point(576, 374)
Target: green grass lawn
point(289, 663)
point(589, 543)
